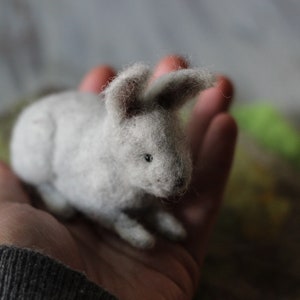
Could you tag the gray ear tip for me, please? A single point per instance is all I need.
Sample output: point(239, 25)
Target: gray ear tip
point(206, 78)
point(199, 78)
point(138, 72)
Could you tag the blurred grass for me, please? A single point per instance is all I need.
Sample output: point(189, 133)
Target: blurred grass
point(255, 249)
point(271, 130)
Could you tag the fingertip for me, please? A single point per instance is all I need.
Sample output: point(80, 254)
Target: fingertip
point(211, 171)
point(223, 131)
point(225, 85)
point(226, 123)
point(219, 145)
point(6, 174)
point(97, 79)
point(4, 167)
point(215, 99)
point(10, 186)
point(174, 61)
point(170, 63)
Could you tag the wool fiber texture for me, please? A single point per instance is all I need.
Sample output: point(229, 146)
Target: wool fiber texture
point(106, 155)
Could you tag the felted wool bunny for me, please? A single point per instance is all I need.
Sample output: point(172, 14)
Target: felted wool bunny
point(111, 156)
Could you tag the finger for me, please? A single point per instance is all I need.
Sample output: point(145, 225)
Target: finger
point(168, 64)
point(216, 155)
point(10, 186)
point(97, 79)
point(211, 174)
point(210, 102)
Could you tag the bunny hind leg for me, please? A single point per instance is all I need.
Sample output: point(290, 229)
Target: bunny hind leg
point(55, 202)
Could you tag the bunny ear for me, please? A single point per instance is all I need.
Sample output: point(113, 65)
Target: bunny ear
point(173, 89)
point(122, 96)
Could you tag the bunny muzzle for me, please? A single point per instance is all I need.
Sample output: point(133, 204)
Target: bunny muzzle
point(176, 181)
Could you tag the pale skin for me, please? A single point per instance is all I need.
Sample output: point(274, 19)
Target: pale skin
point(169, 271)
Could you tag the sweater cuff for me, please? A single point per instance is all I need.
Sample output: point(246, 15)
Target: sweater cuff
point(27, 274)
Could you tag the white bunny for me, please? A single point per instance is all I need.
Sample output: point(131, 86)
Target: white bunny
point(111, 156)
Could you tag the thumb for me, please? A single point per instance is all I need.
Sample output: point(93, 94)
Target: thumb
point(10, 186)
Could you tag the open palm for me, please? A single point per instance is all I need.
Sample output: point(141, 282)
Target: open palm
point(170, 270)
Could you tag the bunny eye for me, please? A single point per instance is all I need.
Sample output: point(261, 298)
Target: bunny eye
point(148, 157)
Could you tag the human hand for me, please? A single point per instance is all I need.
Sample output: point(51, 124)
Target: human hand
point(170, 270)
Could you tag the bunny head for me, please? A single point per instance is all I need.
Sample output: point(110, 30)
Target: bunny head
point(146, 137)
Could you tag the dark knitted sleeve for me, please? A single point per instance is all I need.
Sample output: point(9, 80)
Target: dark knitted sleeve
point(26, 274)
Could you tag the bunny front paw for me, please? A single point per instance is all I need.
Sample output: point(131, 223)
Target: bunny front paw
point(167, 225)
point(133, 232)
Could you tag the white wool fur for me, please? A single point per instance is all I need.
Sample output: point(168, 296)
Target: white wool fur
point(87, 152)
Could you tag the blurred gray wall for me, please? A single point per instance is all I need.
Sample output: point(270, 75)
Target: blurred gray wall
point(55, 42)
